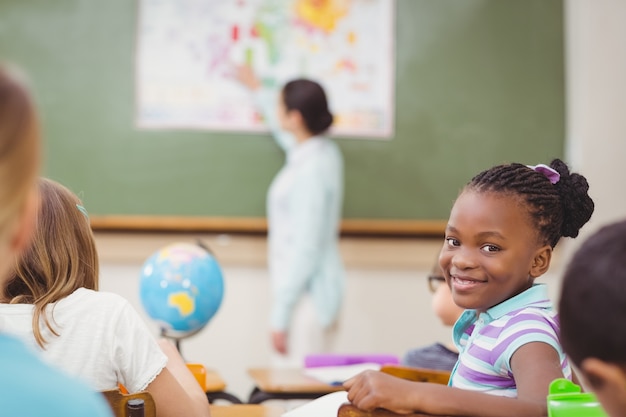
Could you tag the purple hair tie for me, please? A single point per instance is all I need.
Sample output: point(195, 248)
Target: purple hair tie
point(550, 173)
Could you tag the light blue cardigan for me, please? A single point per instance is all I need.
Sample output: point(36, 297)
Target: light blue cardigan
point(304, 206)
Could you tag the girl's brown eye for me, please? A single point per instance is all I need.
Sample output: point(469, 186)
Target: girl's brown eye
point(452, 241)
point(490, 248)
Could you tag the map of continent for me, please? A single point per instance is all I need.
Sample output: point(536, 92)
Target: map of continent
point(188, 50)
point(183, 302)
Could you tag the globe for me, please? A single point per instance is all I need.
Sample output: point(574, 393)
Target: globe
point(181, 287)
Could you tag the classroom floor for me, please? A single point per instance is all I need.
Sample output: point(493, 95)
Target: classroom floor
point(386, 310)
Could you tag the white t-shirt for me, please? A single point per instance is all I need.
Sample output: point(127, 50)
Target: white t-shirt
point(102, 339)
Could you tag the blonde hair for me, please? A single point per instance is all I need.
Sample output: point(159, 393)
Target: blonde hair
point(61, 257)
point(19, 148)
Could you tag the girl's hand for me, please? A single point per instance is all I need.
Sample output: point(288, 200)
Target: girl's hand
point(372, 389)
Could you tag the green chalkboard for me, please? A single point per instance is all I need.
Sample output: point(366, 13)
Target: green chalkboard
point(478, 82)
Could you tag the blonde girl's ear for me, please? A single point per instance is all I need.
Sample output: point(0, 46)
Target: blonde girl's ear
point(541, 261)
point(27, 222)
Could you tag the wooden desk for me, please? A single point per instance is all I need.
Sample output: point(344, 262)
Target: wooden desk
point(245, 410)
point(286, 384)
point(212, 384)
point(412, 374)
point(349, 410)
point(215, 389)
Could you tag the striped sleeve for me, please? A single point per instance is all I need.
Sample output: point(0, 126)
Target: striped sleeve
point(527, 326)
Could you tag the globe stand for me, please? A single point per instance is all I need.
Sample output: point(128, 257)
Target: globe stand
point(176, 340)
point(212, 396)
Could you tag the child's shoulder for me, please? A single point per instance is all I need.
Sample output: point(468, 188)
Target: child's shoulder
point(530, 314)
point(529, 320)
point(93, 300)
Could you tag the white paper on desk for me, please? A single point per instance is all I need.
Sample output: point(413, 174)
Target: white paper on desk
point(324, 406)
point(336, 375)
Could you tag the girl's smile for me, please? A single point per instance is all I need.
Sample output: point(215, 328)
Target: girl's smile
point(462, 284)
point(490, 250)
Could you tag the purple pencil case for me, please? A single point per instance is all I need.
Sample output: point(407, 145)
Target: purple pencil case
point(313, 361)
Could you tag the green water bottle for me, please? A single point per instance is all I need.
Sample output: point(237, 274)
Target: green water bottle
point(566, 400)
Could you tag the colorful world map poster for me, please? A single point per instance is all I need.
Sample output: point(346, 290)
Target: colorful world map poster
point(187, 51)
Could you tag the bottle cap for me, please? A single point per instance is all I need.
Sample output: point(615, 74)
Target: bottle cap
point(135, 404)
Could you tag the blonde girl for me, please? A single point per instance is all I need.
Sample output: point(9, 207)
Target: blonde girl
point(52, 302)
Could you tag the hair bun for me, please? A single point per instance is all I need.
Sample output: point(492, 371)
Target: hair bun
point(576, 203)
point(326, 120)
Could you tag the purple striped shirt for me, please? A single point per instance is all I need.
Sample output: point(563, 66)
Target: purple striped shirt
point(487, 341)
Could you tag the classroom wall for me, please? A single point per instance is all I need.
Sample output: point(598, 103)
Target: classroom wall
point(387, 307)
point(596, 104)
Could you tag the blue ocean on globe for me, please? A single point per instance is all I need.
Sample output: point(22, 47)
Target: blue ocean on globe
point(181, 287)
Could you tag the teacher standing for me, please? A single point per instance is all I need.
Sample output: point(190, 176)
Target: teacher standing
point(304, 204)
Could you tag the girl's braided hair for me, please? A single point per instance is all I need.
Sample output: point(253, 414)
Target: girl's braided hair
point(557, 210)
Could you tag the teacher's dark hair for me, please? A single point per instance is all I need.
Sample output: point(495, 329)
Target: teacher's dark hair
point(309, 98)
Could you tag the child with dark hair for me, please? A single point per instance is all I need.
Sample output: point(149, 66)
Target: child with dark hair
point(499, 239)
point(592, 310)
point(304, 206)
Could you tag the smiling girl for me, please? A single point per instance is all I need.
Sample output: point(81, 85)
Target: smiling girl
point(500, 236)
